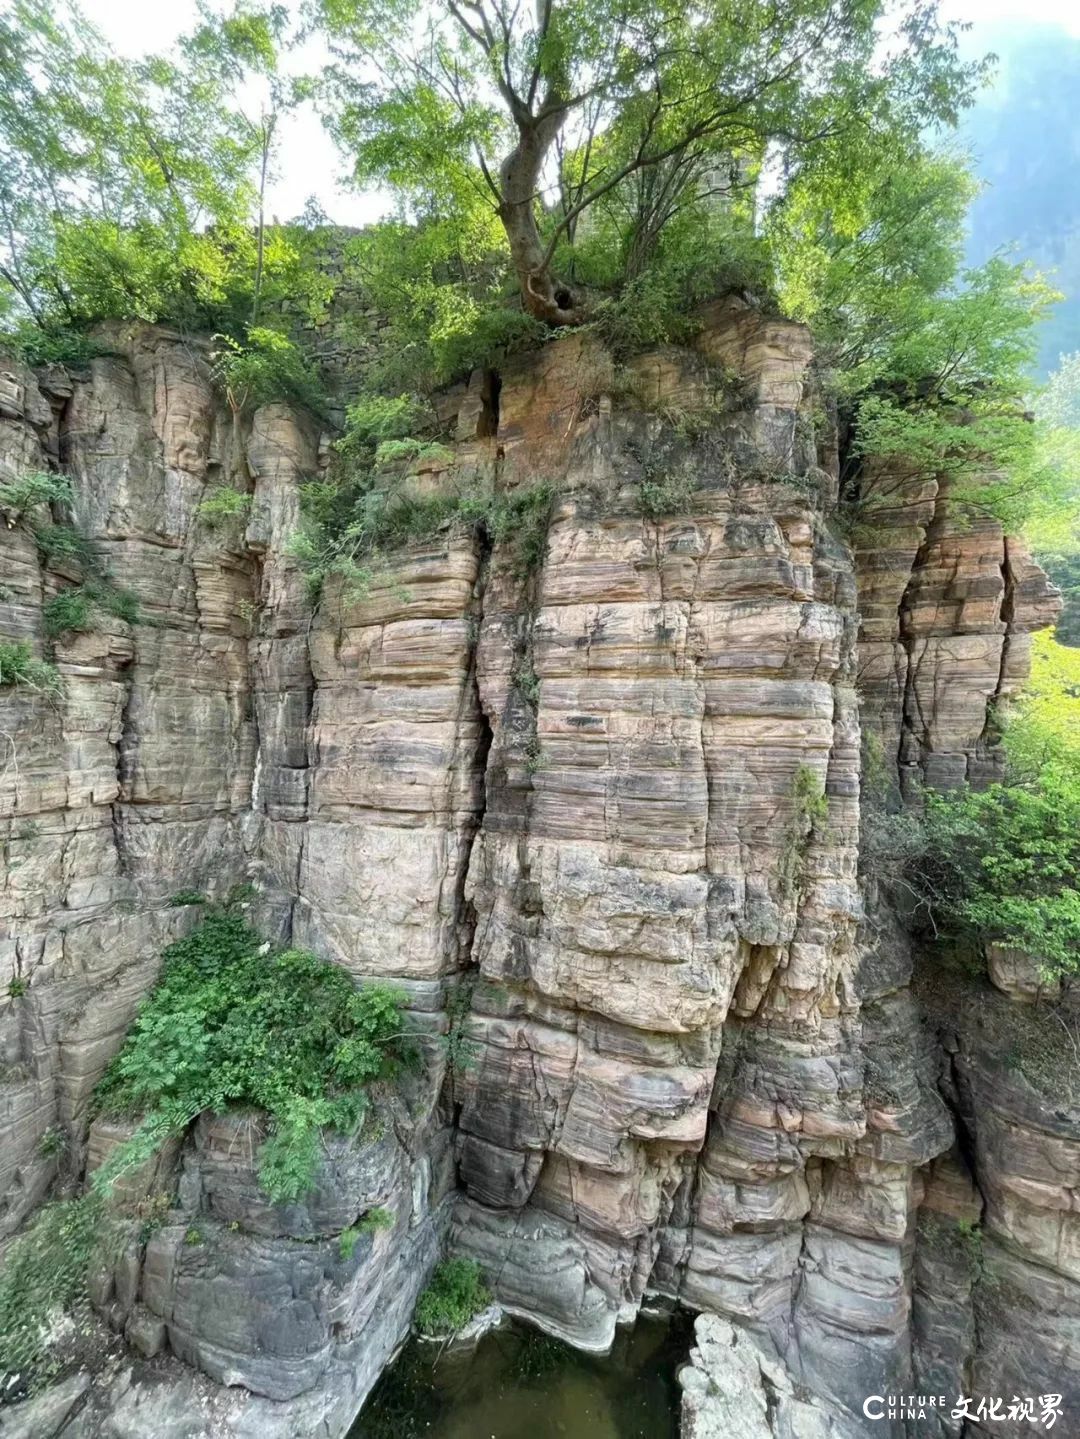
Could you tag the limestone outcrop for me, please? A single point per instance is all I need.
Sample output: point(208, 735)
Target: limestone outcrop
point(589, 795)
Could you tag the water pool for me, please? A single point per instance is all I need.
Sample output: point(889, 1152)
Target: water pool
point(519, 1384)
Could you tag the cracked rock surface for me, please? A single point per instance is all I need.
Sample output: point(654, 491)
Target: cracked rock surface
point(603, 810)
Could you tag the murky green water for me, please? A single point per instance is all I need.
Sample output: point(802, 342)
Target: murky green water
point(517, 1384)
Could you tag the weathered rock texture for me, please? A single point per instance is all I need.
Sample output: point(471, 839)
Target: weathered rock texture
point(731, 1391)
point(173, 742)
point(603, 809)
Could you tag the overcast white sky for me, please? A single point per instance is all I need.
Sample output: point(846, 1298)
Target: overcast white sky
point(308, 163)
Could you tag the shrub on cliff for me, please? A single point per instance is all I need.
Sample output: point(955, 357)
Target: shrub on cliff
point(263, 368)
point(18, 666)
point(36, 487)
point(76, 610)
point(1003, 864)
point(456, 1294)
point(366, 506)
point(230, 1022)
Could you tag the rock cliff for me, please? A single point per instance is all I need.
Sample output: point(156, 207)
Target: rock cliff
point(589, 794)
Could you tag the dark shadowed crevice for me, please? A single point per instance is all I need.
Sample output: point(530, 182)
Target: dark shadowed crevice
point(487, 424)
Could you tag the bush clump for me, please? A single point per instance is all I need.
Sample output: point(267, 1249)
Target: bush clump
point(50, 344)
point(19, 666)
point(75, 610)
point(1002, 864)
point(268, 367)
point(348, 525)
point(37, 487)
point(229, 1023)
point(222, 505)
point(456, 1293)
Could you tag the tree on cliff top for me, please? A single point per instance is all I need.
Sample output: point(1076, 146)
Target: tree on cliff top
point(126, 187)
point(539, 113)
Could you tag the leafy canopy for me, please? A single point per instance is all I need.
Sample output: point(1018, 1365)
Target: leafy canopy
point(487, 108)
point(931, 361)
point(128, 188)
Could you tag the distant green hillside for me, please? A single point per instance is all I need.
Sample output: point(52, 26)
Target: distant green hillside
point(1025, 137)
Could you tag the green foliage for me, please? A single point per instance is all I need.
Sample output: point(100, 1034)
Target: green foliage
point(67, 545)
point(372, 420)
point(37, 487)
point(931, 361)
point(76, 610)
point(228, 1023)
point(223, 505)
point(701, 255)
point(461, 1052)
point(411, 451)
point(184, 897)
point(809, 812)
point(269, 367)
point(125, 186)
point(811, 804)
point(665, 495)
point(45, 1270)
point(53, 1143)
point(456, 1294)
point(1003, 864)
point(355, 518)
point(1059, 403)
point(50, 344)
point(1063, 567)
point(18, 666)
point(632, 116)
point(348, 1239)
point(17, 988)
point(374, 1220)
point(443, 285)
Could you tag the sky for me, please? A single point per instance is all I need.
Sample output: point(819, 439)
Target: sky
point(308, 164)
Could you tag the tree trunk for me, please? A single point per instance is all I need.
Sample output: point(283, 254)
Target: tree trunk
point(267, 138)
point(542, 294)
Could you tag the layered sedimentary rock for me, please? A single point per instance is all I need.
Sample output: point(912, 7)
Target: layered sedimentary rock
point(589, 795)
point(947, 604)
point(151, 774)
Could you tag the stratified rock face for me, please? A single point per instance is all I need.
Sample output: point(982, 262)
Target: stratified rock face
point(947, 605)
point(593, 792)
point(650, 901)
point(135, 784)
point(173, 741)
